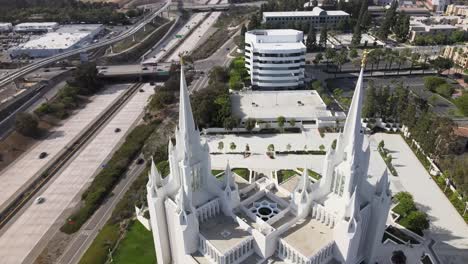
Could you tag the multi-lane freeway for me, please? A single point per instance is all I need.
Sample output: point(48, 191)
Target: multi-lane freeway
point(44, 62)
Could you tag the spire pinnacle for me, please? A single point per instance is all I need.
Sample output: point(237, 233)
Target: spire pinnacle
point(186, 122)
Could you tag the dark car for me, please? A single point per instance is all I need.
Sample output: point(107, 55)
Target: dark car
point(140, 161)
point(117, 130)
point(43, 155)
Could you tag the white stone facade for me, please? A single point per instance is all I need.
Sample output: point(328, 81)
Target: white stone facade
point(317, 17)
point(197, 218)
point(275, 59)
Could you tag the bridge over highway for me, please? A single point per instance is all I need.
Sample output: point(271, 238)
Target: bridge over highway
point(217, 7)
point(47, 61)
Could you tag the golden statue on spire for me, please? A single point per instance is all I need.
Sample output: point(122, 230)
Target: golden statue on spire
point(181, 58)
point(364, 58)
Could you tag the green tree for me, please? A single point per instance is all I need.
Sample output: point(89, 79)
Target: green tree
point(333, 146)
point(370, 102)
point(323, 36)
point(232, 146)
point(401, 27)
point(230, 123)
point(416, 221)
point(254, 22)
point(353, 53)
point(388, 22)
point(329, 54)
point(292, 122)
point(446, 90)
point(243, 30)
point(281, 121)
point(220, 146)
point(26, 124)
point(271, 148)
point(462, 103)
point(432, 82)
point(381, 144)
point(86, 79)
point(250, 124)
point(318, 58)
point(322, 147)
point(288, 147)
point(357, 36)
point(441, 64)
point(311, 43)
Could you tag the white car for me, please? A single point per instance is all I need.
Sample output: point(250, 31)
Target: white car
point(39, 200)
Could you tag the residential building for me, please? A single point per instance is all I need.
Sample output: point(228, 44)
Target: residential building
point(275, 59)
point(340, 218)
point(36, 27)
point(459, 55)
point(317, 17)
point(457, 10)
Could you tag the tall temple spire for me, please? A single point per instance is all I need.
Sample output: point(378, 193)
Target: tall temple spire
point(186, 122)
point(352, 130)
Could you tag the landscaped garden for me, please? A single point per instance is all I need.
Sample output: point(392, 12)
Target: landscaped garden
point(387, 157)
point(243, 172)
point(284, 175)
point(410, 217)
point(311, 173)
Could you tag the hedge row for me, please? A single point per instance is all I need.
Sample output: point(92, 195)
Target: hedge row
point(105, 181)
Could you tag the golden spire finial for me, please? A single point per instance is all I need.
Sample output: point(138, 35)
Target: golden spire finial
point(181, 58)
point(364, 58)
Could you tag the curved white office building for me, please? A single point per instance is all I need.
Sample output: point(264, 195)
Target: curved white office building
point(275, 58)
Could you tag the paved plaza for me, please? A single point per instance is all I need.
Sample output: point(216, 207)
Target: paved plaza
point(258, 144)
point(25, 234)
point(448, 228)
point(15, 176)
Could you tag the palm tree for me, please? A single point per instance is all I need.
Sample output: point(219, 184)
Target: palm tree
point(401, 59)
point(414, 58)
point(425, 56)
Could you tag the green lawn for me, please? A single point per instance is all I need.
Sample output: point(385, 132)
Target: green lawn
point(97, 252)
point(243, 172)
point(216, 172)
point(137, 247)
point(312, 173)
point(284, 175)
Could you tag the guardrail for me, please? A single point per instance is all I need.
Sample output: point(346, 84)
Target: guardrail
point(51, 170)
point(44, 62)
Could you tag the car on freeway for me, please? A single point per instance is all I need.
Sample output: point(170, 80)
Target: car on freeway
point(43, 155)
point(39, 200)
point(117, 130)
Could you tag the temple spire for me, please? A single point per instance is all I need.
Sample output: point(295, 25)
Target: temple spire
point(186, 122)
point(352, 132)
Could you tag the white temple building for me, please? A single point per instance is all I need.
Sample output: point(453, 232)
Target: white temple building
point(196, 218)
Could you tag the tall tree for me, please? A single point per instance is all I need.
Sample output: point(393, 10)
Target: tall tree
point(329, 54)
point(311, 43)
point(401, 27)
point(357, 35)
point(323, 36)
point(389, 20)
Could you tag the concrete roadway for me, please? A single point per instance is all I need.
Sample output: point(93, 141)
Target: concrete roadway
point(83, 239)
point(220, 58)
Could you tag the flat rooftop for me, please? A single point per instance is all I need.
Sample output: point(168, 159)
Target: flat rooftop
point(308, 236)
point(54, 40)
point(274, 32)
point(223, 232)
point(305, 13)
point(302, 104)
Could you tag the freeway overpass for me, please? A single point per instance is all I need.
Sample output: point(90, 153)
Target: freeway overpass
point(219, 7)
point(47, 61)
